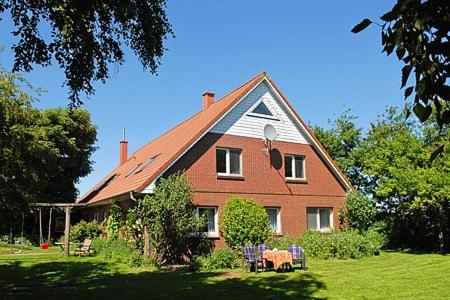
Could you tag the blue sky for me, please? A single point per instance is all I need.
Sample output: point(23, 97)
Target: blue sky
point(305, 46)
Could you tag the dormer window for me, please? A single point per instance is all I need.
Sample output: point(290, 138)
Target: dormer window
point(262, 109)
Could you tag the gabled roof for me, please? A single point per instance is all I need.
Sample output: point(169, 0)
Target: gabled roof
point(169, 147)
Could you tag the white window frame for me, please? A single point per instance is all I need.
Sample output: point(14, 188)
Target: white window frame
point(105, 215)
point(254, 106)
point(214, 234)
point(227, 162)
point(96, 216)
point(317, 209)
point(278, 231)
point(293, 156)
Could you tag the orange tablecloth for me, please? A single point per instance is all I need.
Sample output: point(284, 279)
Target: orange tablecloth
point(278, 258)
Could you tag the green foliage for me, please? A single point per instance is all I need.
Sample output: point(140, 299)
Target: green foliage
point(170, 218)
point(43, 154)
point(341, 244)
point(244, 221)
point(218, 259)
point(84, 230)
point(279, 242)
point(418, 33)
point(358, 212)
point(341, 141)
point(115, 221)
point(86, 39)
point(408, 188)
point(119, 251)
point(393, 164)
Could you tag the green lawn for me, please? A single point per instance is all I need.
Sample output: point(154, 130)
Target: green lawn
point(392, 275)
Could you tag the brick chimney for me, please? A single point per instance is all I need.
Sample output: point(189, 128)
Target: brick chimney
point(123, 149)
point(208, 100)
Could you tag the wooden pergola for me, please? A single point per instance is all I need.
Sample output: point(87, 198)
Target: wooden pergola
point(68, 208)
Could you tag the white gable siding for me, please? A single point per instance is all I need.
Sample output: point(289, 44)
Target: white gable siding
point(239, 122)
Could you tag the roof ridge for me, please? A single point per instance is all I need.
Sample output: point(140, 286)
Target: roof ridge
point(242, 85)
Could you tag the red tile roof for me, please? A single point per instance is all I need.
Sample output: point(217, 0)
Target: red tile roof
point(170, 146)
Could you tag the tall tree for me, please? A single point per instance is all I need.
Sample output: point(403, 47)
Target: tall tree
point(412, 192)
point(418, 32)
point(86, 37)
point(340, 140)
point(43, 154)
point(390, 164)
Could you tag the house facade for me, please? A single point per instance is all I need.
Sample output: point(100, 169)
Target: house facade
point(224, 151)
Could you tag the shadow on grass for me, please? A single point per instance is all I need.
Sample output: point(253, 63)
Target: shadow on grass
point(99, 280)
point(416, 251)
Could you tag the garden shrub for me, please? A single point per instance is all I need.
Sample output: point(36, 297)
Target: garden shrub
point(279, 242)
point(84, 230)
point(170, 218)
point(341, 244)
point(358, 212)
point(218, 259)
point(115, 220)
point(244, 221)
point(118, 251)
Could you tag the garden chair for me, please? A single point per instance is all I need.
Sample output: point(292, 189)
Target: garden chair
point(298, 255)
point(260, 258)
point(252, 258)
point(84, 248)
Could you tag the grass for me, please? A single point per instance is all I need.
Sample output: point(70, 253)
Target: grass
point(392, 275)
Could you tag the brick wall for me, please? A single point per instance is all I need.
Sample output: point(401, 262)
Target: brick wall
point(263, 179)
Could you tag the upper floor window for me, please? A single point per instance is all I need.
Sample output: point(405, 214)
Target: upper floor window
point(228, 161)
point(262, 109)
point(320, 219)
point(294, 166)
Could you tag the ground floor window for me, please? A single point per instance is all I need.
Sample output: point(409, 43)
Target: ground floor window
point(212, 220)
point(105, 215)
point(274, 219)
point(320, 218)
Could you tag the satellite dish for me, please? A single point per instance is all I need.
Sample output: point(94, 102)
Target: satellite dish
point(269, 132)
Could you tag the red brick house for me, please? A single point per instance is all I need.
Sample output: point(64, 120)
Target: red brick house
point(224, 152)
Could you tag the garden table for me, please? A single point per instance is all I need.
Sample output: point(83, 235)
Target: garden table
point(61, 245)
point(278, 258)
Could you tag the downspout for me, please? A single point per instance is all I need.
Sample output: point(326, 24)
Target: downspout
point(132, 197)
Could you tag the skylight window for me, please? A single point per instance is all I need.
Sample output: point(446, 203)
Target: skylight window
point(106, 182)
point(149, 161)
point(132, 170)
point(262, 109)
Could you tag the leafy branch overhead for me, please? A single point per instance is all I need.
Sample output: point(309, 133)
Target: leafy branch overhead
point(86, 37)
point(418, 32)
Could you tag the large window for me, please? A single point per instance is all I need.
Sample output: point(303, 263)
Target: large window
point(274, 219)
point(211, 227)
point(294, 167)
point(320, 219)
point(228, 162)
